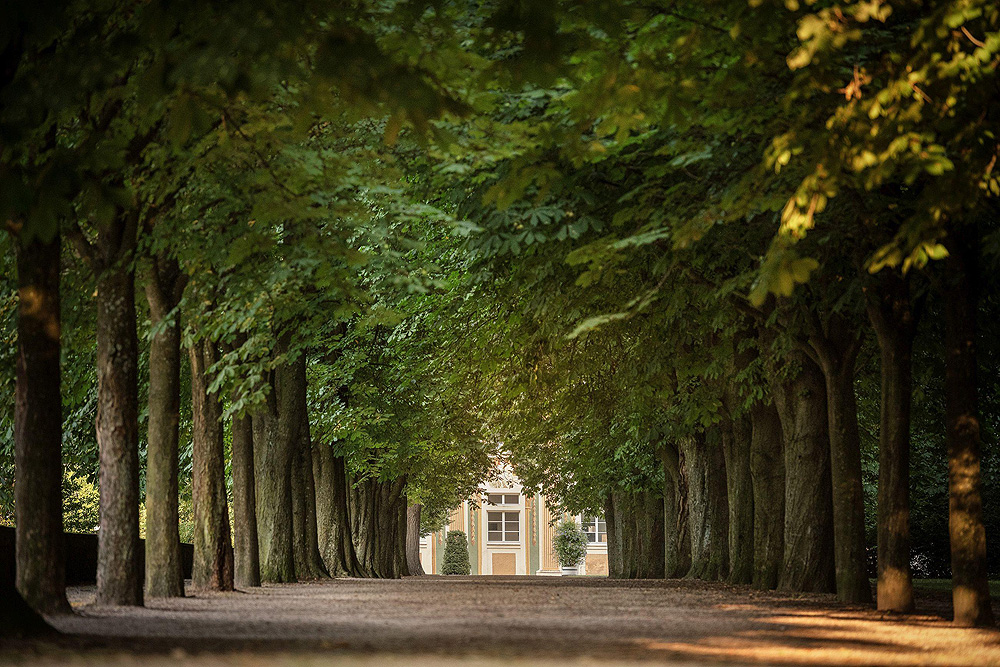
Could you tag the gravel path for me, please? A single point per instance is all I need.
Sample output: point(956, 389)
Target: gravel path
point(505, 621)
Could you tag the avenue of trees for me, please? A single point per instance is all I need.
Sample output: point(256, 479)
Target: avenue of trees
point(282, 277)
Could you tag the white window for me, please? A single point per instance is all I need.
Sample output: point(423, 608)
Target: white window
point(503, 498)
point(503, 526)
point(596, 529)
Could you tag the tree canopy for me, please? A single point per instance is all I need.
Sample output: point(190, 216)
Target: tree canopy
point(698, 267)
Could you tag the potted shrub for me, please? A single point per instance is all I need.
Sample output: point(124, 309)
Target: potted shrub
point(456, 554)
point(570, 545)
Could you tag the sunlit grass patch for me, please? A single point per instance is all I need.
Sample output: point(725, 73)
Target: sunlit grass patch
point(944, 585)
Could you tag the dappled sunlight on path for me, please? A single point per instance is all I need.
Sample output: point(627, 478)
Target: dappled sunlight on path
point(841, 638)
point(517, 620)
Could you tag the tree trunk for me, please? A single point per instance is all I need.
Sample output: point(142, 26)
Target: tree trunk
point(718, 504)
point(345, 553)
point(246, 554)
point(635, 522)
point(308, 561)
point(850, 554)
point(640, 521)
point(767, 467)
point(356, 491)
point(413, 540)
point(736, 436)
point(364, 527)
point(164, 573)
point(274, 436)
point(614, 537)
point(970, 589)
point(332, 518)
point(300, 520)
point(808, 534)
point(707, 510)
point(837, 350)
point(213, 549)
point(696, 473)
point(305, 541)
point(119, 576)
point(893, 321)
point(677, 540)
point(380, 527)
point(402, 561)
point(625, 524)
point(322, 462)
point(312, 535)
point(40, 553)
point(390, 546)
point(653, 562)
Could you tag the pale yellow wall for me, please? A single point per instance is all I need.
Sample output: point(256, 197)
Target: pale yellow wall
point(456, 520)
point(596, 564)
point(548, 553)
point(504, 563)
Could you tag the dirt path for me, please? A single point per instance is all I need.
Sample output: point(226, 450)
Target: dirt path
point(504, 621)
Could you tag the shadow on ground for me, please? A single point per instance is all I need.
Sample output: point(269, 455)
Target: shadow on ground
point(505, 620)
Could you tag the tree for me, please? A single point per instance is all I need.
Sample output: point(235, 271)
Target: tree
point(164, 288)
point(213, 549)
point(456, 554)
point(893, 319)
point(37, 428)
point(246, 552)
point(570, 543)
point(413, 535)
point(971, 595)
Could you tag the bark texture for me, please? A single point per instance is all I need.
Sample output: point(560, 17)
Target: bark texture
point(653, 535)
point(707, 507)
point(246, 555)
point(767, 467)
point(837, 347)
point(274, 440)
point(119, 577)
point(402, 561)
point(736, 436)
point(641, 522)
point(638, 534)
point(164, 576)
point(40, 554)
point(808, 532)
point(615, 565)
point(413, 540)
point(970, 589)
point(376, 508)
point(677, 540)
point(213, 549)
point(332, 518)
point(305, 541)
point(361, 506)
point(894, 323)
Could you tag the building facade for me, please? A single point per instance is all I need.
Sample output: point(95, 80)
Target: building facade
point(512, 533)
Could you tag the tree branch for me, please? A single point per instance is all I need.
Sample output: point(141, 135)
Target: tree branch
point(84, 247)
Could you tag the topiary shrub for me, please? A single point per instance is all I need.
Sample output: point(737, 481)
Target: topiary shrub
point(456, 554)
point(570, 543)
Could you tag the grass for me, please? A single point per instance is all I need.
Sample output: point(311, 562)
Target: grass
point(944, 585)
